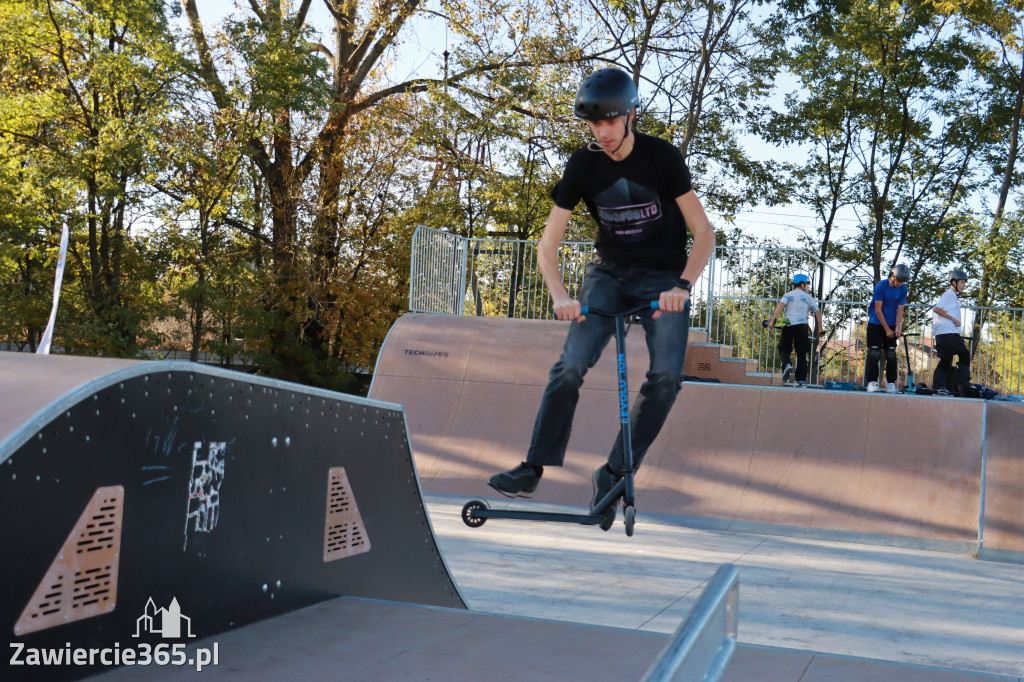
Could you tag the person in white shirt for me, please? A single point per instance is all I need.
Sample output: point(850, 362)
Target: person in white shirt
point(798, 304)
point(949, 344)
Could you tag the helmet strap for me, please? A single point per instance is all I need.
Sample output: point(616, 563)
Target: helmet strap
point(625, 126)
point(594, 146)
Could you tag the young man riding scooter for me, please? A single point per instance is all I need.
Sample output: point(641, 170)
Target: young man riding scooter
point(638, 190)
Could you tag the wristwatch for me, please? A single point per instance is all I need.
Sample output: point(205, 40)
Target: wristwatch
point(684, 284)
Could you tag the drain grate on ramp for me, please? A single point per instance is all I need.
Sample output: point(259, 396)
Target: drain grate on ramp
point(344, 532)
point(82, 580)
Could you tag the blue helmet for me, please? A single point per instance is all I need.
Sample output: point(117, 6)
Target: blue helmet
point(801, 279)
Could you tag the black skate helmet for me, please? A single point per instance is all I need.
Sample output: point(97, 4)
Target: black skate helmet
point(901, 272)
point(957, 275)
point(606, 93)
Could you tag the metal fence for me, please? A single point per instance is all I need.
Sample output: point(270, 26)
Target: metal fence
point(437, 282)
point(740, 287)
point(486, 277)
point(745, 285)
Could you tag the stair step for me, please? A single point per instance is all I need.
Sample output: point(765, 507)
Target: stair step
point(709, 360)
point(698, 336)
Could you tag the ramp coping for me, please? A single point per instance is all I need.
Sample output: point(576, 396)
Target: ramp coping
point(704, 642)
point(21, 435)
point(984, 478)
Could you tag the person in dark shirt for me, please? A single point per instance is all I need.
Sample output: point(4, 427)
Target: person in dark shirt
point(638, 189)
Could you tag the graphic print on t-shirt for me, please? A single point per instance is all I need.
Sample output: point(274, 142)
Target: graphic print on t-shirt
point(627, 211)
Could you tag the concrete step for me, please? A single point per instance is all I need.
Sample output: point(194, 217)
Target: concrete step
point(707, 360)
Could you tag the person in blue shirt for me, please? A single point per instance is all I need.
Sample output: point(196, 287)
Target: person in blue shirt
point(885, 317)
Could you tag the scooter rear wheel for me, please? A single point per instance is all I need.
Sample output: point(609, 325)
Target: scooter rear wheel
point(629, 513)
point(471, 519)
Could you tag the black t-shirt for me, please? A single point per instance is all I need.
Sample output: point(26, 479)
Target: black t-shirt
point(633, 202)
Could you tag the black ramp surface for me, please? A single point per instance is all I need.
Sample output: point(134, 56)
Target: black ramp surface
point(234, 497)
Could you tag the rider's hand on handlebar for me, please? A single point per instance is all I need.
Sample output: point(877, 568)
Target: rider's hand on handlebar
point(672, 301)
point(568, 309)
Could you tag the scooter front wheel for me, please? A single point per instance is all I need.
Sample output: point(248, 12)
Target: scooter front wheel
point(468, 515)
point(629, 512)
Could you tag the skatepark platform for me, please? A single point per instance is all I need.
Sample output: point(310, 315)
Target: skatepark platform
point(219, 502)
point(928, 472)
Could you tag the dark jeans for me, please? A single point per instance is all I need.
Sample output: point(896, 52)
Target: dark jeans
point(876, 337)
point(949, 346)
point(796, 335)
point(612, 288)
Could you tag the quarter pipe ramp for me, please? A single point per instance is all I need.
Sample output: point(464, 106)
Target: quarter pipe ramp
point(133, 492)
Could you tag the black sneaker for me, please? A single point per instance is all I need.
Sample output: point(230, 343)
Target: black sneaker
point(787, 372)
point(604, 479)
point(518, 482)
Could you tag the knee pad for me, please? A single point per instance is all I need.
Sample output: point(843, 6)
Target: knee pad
point(874, 354)
point(890, 355)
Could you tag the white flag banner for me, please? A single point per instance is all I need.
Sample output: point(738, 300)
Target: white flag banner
point(44, 343)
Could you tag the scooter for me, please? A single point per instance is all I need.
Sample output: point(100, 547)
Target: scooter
point(909, 387)
point(476, 512)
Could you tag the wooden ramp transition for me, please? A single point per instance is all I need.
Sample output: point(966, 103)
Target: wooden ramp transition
point(906, 467)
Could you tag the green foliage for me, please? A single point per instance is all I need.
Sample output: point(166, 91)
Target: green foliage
point(247, 191)
point(280, 71)
point(890, 107)
point(78, 110)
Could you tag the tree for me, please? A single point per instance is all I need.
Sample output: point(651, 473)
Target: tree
point(998, 29)
point(210, 255)
point(888, 106)
point(310, 96)
point(84, 98)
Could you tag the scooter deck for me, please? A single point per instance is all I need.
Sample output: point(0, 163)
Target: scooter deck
point(526, 515)
point(476, 512)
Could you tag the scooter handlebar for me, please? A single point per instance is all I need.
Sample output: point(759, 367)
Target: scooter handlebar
point(587, 310)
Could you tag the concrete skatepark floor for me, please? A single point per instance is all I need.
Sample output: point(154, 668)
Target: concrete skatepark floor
point(567, 602)
point(904, 605)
